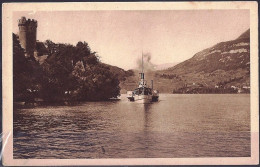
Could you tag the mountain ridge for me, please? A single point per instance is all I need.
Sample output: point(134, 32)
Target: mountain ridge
point(225, 65)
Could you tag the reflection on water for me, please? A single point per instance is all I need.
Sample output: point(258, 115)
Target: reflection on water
point(176, 126)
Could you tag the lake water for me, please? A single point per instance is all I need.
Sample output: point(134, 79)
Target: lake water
point(176, 126)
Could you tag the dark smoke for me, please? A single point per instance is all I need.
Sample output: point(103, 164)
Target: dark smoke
point(148, 66)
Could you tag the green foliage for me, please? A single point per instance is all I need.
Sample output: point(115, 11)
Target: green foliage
point(96, 82)
point(70, 73)
point(75, 73)
point(25, 74)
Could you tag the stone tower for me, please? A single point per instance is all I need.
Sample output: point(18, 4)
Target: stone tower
point(27, 35)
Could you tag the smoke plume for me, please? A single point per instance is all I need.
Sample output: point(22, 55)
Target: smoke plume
point(148, 65)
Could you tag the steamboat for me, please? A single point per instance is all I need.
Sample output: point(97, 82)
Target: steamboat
point(143, 93)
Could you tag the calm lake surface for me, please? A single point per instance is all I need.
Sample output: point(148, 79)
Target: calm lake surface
point(176, 126)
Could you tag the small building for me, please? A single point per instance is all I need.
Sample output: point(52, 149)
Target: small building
point(246, 87)
point(234, 87)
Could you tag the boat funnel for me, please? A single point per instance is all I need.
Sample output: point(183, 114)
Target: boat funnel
point(142, 75)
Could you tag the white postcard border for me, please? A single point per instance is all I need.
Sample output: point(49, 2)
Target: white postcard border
point(7, 90)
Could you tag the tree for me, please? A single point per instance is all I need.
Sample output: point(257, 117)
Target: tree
point(75, 73)
point(26, 74)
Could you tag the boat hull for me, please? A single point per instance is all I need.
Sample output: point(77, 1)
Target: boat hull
point(143, 99)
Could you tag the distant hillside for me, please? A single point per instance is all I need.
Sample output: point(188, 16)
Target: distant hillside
point(164, 66)
point(121, 73)
point(225, 65)
point(245, 35)
point(230, 55)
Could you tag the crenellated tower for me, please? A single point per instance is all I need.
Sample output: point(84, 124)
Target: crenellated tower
point(27, 35)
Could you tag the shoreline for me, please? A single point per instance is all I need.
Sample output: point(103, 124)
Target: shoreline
point(22, 104)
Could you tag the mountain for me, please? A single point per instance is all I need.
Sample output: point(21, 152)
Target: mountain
point(230, 55)
point(245, 35)
point(226, 64)
point(164, 66)
point(222, 68)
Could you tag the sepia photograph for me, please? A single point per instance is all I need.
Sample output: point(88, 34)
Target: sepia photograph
point(125, 84)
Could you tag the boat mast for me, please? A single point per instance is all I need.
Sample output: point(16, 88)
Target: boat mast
point(142, 75)
point(142, 70)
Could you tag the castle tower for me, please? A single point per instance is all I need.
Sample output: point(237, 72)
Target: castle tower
point(27, 35)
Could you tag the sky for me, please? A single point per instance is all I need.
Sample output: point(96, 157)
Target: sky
point(120, 37)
